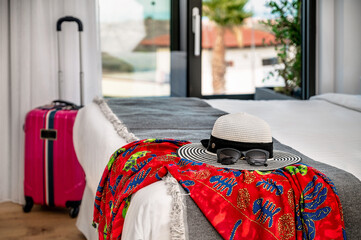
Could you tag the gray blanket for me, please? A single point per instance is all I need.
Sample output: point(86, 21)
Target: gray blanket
point(192, 119)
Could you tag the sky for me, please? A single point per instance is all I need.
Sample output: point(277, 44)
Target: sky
point(259, 9)
point(125, 10)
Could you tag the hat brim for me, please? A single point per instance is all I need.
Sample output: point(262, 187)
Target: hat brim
point(196, 152)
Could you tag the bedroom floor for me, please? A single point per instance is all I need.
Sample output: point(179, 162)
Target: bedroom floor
point(40, 223)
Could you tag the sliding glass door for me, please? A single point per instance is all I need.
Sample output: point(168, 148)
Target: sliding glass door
point(135, 45)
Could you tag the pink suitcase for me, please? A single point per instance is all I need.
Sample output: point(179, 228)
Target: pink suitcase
point(53, 175)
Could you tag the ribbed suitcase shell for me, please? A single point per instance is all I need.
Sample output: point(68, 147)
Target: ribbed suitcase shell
point(53, 175)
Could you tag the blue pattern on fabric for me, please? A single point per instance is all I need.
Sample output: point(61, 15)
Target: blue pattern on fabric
point(100, 189)
point(114, 188)
point(160, 140)
point(223, 183)
point(279, 172)
point(236, 173)
point(188, 171)
point(266, 211)
point(186, 184)
point(310, 218)
point(233, 233)
point(344, 234)
point(98, 208)
point(118, 152)
point(158, 177)
point(314, 195)
point(329, 182)
point(138, 179)
point(129, 150)
point(299, 225)
point(140, 165)
point(132, 160)
point(270, 185)
point(185, 162)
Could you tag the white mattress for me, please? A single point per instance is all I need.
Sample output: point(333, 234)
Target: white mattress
point(94, 141)
point(321, 128)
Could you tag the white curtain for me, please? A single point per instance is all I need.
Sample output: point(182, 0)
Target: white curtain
point(29, 69)
point(4, 102)
point(338, 46)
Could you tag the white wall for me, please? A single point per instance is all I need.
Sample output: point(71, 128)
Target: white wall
point(339, 46)
point(246, 73)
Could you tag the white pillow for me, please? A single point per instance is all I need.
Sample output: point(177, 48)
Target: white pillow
point(345, 100)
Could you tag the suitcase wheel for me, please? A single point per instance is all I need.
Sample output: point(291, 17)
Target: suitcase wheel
point(73, 207)
point(28, 204)
point(73, 212)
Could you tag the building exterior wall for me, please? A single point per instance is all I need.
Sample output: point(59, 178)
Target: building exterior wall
point(245, 70)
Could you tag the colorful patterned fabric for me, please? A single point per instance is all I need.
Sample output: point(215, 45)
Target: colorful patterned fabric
point(295, 202)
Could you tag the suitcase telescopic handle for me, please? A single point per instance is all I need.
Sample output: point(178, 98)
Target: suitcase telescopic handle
point(69, 19)
point(60, 77)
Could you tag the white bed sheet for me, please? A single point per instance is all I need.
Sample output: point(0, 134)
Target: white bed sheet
point(319, 129)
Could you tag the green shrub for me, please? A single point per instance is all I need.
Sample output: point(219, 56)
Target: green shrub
point(287, 30)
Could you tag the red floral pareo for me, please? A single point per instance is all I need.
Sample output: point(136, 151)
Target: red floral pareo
point(295, 202)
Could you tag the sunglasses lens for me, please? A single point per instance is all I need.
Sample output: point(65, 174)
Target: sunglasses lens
point(228, 156)
point(257, 157)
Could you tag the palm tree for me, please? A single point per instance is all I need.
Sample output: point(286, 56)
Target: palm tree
point(226, 14)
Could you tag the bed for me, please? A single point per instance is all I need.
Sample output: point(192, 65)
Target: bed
point(325, 128)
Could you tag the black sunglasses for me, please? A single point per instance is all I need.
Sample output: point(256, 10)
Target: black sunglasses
point(254, 157)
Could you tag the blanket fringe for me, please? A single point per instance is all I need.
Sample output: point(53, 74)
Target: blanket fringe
point(118, 125)
point(177, 230)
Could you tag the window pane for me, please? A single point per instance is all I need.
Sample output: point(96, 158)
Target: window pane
point(135, 47)
point(241, 48)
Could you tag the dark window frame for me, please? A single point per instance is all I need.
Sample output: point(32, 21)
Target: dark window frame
point(308, 46)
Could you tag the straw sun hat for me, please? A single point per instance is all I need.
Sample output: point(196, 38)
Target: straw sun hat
point(239, 131)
